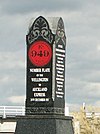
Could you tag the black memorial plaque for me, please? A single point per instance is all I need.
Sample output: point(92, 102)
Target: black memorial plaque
point(45, 68)
point(60, 43)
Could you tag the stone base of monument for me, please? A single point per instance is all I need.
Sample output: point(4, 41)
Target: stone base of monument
point(44, 124)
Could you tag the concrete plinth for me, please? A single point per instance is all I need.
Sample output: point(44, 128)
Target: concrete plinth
point(44, 124)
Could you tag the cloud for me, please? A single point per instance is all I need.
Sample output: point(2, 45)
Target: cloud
point(24, 6)
point(12, 60)
point(12, 75)
point(98, 47)
point(79, 91)
point(73, 107)
point(16, 99)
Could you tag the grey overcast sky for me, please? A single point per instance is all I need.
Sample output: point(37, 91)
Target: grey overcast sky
point(82, 24)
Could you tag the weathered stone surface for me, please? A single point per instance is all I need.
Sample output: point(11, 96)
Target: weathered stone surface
point(43, 124)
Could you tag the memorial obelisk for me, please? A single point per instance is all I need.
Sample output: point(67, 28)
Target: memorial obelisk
point(45, 87)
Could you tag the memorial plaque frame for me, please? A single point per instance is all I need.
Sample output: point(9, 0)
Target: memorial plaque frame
point(51, 101)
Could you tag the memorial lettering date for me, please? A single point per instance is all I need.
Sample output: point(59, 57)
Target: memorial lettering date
point(40, 53)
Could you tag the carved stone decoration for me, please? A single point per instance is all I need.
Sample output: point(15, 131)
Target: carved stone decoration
point(40, 30)
point(60, 35)
point(45, 110)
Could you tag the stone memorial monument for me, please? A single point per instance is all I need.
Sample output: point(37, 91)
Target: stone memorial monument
point(45, 87)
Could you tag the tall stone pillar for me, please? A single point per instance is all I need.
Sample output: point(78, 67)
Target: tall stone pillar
point(45, 88)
